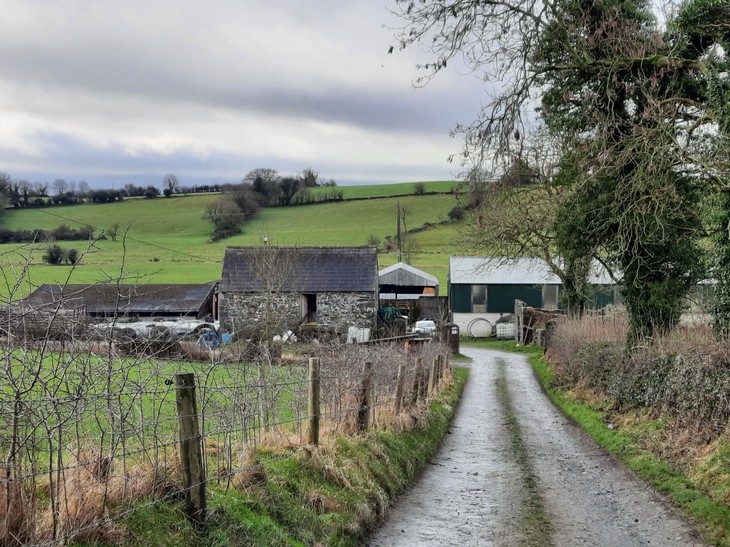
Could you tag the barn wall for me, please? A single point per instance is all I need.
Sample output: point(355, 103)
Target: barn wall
point(241, 313)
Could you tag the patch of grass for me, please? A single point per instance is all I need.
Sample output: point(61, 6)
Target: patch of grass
point(331, 496)
point(162, 524)
point(380, 190)
point(535, 525)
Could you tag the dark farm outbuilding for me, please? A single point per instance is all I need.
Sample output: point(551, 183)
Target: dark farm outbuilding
point(60, 311)
point(332, 288)
point(126, 300)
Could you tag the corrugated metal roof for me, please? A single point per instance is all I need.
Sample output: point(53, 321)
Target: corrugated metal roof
point(123, 298)
point(300, 269)
point(497, 270)
point(403, 274)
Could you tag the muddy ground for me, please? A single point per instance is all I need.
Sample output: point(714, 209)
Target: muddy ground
point(514, 471)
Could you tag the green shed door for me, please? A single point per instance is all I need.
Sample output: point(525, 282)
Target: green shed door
point(501, 298)
point(460, 297)
point(600, 296)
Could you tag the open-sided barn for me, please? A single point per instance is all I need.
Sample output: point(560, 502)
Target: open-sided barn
point(112, 299)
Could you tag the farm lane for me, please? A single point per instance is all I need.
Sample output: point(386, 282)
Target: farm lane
point(514, 471)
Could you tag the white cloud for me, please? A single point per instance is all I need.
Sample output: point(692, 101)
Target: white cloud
point(241, 82)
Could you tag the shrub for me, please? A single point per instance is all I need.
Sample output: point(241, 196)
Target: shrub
point(105, 196)
point(594, 364)
point(54, 255)
point(457, 213)
point(151, 192)
point(687, 380)
point(62, 233)
point(420, 189)
point(72, 257)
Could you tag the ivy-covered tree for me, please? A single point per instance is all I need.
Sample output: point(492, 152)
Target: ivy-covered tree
point(615, 86)
point(703, 27)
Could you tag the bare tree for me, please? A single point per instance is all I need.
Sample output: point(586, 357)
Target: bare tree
point(170, 183)
point(40, 188)
point(23, 188)
point(273, 277)
point(408, 244)
point(5, 190)
point(226, 218)
point(516, 215)
point(83, 189)
point(131, 188)
point(265, 182)
point(60, 186)
point(309, 178)
point(264, 174)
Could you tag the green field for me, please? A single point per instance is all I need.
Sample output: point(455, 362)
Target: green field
point(167, 239)
point(381, 190)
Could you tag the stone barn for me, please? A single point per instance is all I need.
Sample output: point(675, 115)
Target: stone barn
point(269, 290)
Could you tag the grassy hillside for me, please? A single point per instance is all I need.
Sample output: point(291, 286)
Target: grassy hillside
point(167, 239)
point(381, 190)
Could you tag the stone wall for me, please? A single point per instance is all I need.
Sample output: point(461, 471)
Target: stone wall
point(243, 313)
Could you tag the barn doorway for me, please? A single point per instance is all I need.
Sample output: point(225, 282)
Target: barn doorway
point(309, 308)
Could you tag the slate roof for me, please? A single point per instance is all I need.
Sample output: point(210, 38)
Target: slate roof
point(497, 270)
point(124, 299)
point(300, 269)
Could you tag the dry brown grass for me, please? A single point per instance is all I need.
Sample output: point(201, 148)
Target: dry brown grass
point(572, 334)
point(85, 495)
point(82, 513)
point(16, 515)
point(250, 472)
point(320, 503)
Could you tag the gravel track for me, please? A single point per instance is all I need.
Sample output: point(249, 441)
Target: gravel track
point(514, 471)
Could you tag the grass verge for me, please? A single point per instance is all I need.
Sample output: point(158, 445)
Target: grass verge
point(629, 442)
point(331, 496)
point(535, 526)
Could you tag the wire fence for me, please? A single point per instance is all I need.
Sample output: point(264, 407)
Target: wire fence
point(90, 431)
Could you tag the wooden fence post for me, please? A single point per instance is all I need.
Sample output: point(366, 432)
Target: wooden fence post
point(423, 379)
point(314, 401)
point(365, 396)
point(191, 449)
point(416, 376)
point(433, 377)
point(399, 387)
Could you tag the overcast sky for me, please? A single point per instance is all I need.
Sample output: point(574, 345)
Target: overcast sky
point(127, 91)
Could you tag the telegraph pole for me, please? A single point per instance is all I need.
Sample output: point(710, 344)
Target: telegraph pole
point(397, 205)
